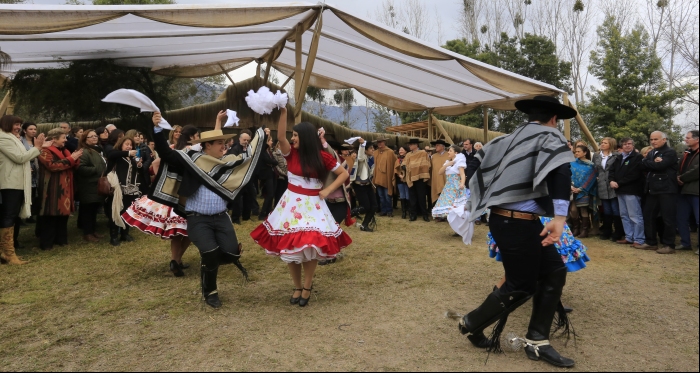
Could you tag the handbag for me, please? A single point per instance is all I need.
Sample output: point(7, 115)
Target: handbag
point(103, 186)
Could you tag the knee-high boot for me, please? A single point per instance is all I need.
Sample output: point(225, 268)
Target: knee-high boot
point(404, 208)
point(496, 307)
point(209, 272)
point(585, 226)
point(124, 234)
point(114, 234)
point(545, 303)
point(619, 232)
point(7, 247)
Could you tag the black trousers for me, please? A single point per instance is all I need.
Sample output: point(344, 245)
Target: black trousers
point(417, 195)
point(87, 213)
point(367, 199)
point(280, 188)
point(245, 202)
point(54, 231)
point(269, 188)
point(525, 260)
point(339, 210)
point(212, 232)
point(12, 201)
point(664, 205)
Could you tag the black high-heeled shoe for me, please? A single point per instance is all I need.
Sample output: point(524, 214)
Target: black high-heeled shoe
point(304, 301)
point(176, 269)
point(294, 300)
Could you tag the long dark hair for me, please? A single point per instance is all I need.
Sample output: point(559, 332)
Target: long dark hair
point(186, 134)
point(114, 136)
point(310, 149)
point(26, 125)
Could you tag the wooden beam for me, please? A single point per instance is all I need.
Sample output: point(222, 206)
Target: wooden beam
point(430, 124)
point(268, 68)
point(288, 80)
point(310, 59)
point(297, 72)
point(584, 128)
point(442, 129)
point(486, 124)
point(5, 103)
point(567, 122)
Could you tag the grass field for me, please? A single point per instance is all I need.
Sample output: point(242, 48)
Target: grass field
point(96, 307)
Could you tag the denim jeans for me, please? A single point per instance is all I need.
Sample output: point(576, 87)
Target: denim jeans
point(384, 200)
point(687, 207)
point(403, 191)
point(611, 207)
point(632, 217)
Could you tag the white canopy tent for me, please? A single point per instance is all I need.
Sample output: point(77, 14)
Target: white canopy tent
point(316, 44)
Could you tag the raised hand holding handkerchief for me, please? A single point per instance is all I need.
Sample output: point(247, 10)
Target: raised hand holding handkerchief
point(136, 99)
point(352, 140)
point(264, 101)
point(232, 118)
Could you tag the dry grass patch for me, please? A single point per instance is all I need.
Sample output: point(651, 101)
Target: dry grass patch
point(95, 307)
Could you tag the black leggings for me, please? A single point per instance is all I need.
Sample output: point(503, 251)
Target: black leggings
point(12, 201)
point(269, 189)
point(54, 231)
point(368, 200)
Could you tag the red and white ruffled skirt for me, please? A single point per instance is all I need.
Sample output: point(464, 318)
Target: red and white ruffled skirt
point(155, 218)
point(301, 228)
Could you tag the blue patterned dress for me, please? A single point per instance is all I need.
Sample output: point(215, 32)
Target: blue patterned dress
point(572, 251)
point(451, 195)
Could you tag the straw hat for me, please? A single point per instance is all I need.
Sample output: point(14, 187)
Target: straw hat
point(212, 136)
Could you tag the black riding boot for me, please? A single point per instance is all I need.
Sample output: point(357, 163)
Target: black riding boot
point(124, 235)
point(114, 234)
point(209, 271)
point(606, 228)
point(496, 307)
point(404, 209)
point(619, 232)
point(544, 306)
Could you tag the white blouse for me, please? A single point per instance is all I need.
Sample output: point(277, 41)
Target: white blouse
point(460, 162)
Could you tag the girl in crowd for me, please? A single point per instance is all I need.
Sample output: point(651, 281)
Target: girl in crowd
point(16, 186)
point(301, 230)
point(604, 161)
point(112, 140)
point(92, 167)
point(400, 172)
point(454, 193)
point(154, 218)
point(174, 135)
point(29, 132)
point(56, 165)
point(583, 185)
point(102, 137)
point(142, 150)
point(131, 181)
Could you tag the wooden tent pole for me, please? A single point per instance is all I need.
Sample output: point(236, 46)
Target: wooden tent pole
point(288, 80)
point(430, 124)
point(268, 68)
point(297, 70)
point(486, 124)
point(442, 129)
point(567, 122)
point(5, 103)
point(584, 128)
point(310, 59)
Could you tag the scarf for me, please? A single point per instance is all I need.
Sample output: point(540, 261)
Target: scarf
point(584, 175)
point(225, 176)
point(514, 167)
point(26, 210)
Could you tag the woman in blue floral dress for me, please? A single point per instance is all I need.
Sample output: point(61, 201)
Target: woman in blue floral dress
point(454, 193)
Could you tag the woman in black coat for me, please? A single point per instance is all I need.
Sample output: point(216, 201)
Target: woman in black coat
point(267, 176)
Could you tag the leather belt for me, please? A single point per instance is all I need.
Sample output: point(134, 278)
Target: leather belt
point(514, 214)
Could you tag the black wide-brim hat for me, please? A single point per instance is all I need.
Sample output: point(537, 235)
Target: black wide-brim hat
point(548, 104)
point(414, 141)
point(440, 142)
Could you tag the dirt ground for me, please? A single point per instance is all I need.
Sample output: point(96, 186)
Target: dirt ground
point(89, 307)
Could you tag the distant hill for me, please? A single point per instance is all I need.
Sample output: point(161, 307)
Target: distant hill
point(358, 116)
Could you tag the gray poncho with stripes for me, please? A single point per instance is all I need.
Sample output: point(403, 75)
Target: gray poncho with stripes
point(514, 167)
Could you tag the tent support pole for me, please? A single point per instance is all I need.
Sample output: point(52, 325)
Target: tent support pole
point(303, 81)
point(442, 129)
point(584, 128)
point(297, 70)
point(430, 125)
point(4, 105)
point(486, 124)
point(227, 75)
point(268, 68)
point(287, 81)
point(567, 122)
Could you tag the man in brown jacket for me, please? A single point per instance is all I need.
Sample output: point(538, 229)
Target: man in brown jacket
point(417, 164)
point(437, 181)
point(383, 178)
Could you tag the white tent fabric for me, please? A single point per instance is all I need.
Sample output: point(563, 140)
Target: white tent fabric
point(389, 67)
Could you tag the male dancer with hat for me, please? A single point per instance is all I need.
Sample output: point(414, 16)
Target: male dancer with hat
point(202, 186)
point(520, 177)
point(437, 181)
point(417, 164)
point(383, 178)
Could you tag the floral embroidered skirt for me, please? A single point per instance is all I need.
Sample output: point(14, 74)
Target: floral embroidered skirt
point(301, 228)
point(154, 218)
point(572, 251)
point(451, 196)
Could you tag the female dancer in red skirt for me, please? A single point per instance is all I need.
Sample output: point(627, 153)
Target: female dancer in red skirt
point(301, 230)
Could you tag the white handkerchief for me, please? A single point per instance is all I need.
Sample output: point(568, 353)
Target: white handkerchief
point(232, 118)
point(136, 99)
point(280, 99)
point(264, 101)
point(321, 131)
point(352, 140)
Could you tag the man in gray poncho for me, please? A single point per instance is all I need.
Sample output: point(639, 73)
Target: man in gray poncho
point(520, 177)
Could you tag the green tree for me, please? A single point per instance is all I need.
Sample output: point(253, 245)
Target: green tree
point(533, 56)
point(381, 118)
point(345, 98)
point(317, 94)
point(634, 99)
